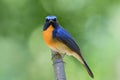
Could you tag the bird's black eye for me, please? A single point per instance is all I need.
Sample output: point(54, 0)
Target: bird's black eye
point(54, 19)
point(47, 20)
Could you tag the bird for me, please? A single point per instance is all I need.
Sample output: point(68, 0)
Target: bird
point(59, 40)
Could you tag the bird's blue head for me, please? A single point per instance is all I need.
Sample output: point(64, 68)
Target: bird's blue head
point(50, 20)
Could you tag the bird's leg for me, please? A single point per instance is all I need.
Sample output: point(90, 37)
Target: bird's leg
point(55, 54)
point(63, 55)
point(57, 57)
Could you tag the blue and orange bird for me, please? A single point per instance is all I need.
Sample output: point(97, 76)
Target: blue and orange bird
point(59, 40)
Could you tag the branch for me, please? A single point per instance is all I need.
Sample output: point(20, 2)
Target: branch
point(58, 66)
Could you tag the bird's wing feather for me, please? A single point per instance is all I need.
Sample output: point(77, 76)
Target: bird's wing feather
point(63, 36)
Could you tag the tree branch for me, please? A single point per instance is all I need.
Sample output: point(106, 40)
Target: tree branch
point(58, 66)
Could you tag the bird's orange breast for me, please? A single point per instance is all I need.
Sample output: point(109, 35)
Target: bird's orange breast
point(47, 35)
point(53, 43)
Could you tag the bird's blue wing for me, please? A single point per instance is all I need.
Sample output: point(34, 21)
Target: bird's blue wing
point(63, 36)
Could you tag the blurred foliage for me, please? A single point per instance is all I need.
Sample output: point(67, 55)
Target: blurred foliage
point(94, 24)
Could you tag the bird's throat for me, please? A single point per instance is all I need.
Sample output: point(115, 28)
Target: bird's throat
point(47, 34)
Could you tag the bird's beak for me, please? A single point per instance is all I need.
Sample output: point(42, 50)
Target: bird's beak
point(51, 21)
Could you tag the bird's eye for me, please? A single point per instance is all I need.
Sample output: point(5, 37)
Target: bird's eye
point(54, 19)
point(47, 19)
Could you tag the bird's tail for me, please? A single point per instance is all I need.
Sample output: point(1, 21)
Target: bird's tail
point(81, 59)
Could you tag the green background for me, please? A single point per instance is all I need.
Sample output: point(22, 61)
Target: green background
point(94, 24)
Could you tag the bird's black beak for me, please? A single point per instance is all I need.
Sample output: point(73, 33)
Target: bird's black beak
point(51, 21)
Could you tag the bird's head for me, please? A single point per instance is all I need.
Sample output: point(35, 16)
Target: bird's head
point(50, 20)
